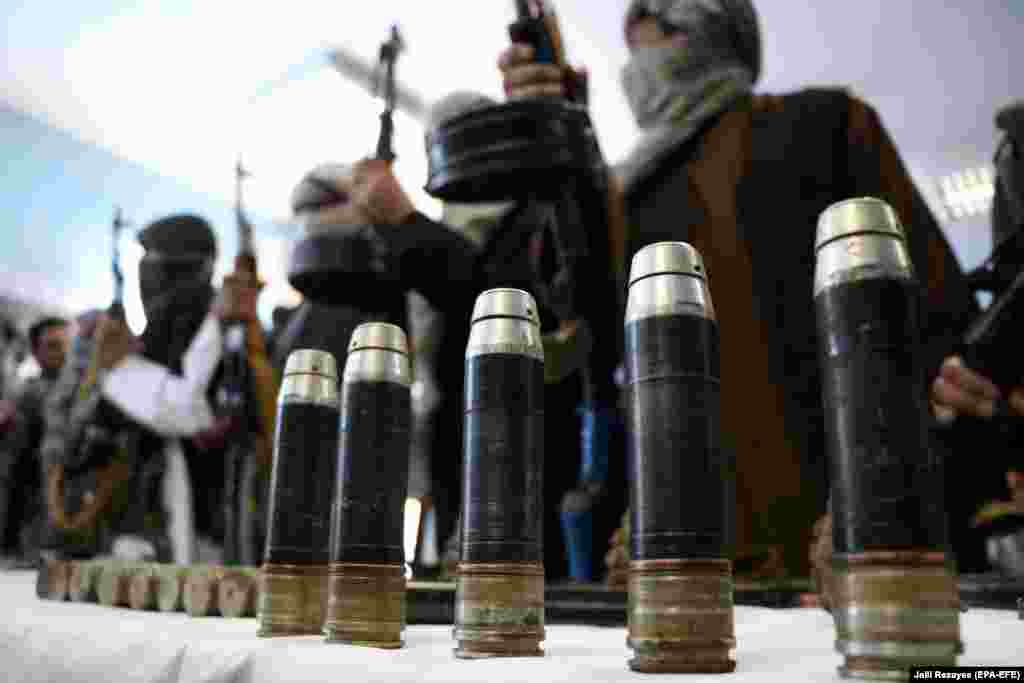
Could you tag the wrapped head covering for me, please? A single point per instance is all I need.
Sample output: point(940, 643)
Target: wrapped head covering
point(735, 22)
point(712, 58)
point(455, 104)
point(322, 201)
point(325, 186)
point(180, 251)
point(180, 236)
point(473, 220)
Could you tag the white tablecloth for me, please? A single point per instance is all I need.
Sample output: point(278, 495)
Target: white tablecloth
point(49, 641)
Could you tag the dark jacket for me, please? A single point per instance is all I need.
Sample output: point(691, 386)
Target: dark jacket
point(747, 193)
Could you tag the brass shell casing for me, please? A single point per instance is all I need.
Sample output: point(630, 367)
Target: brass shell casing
point(499, 610)
point(680, 616)
point(365, 604)
point(895, 610)
point(292, 600)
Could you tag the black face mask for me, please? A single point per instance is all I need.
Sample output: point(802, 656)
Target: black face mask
point(160, 277)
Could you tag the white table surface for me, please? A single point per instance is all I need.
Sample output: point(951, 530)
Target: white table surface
point(48, 641)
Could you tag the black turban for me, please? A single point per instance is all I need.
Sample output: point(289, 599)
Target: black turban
point(180, 235)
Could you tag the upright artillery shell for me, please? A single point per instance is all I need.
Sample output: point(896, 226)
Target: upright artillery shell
point(499, 603)
point(895, 597)
point(680, 583)
point(294, 596)
point(366, 576)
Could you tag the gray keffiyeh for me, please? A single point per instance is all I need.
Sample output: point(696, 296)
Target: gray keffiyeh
point(676, 87)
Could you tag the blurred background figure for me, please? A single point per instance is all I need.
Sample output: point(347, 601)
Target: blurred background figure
point(322, 206)
point(22, 426)
point(997, 528)
point(716, 166)
point(12, 354)
point(502, 245)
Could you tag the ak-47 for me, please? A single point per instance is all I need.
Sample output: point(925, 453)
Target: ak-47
point(385, 88)
point(95, 432)
point(116, 309)
point(234, 398)
point(537, 25)
point(245, 259)
point(581, 219)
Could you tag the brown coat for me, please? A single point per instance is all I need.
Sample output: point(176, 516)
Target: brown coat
point(747, 195)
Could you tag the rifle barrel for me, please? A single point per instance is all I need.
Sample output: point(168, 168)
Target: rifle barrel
point(116, 309)
point(389, 52)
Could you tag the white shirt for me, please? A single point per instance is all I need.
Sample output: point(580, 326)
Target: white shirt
point(169, 404)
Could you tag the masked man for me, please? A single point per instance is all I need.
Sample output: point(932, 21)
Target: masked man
point(513, 248)
point(20, 468)
point(744, 178)
point(161, 385)
point(996, 528)
point(321, 204)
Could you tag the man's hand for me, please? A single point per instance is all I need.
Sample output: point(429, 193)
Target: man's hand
point(236, 301)
point(377, 193)
point(524, 78)
point(959, 390)
point(114, 343)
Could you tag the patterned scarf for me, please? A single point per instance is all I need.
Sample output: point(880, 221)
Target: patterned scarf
point(675, 88)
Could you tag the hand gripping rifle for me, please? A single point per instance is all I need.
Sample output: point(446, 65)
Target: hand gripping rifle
point(235, 395)
point(991, 344)
point(581, 208)
point(94, 434)
point(537, 26)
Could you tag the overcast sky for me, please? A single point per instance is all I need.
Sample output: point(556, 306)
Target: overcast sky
point(170, 86)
